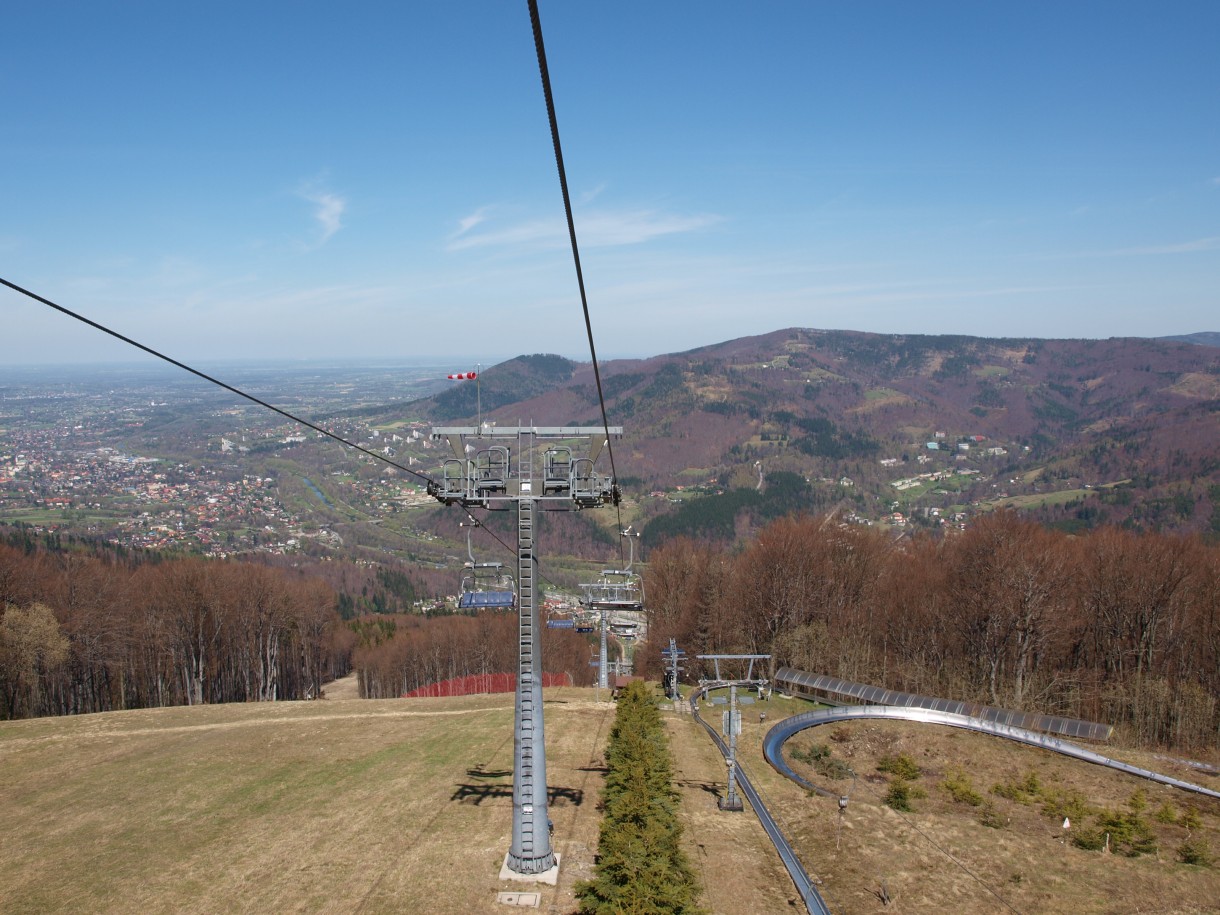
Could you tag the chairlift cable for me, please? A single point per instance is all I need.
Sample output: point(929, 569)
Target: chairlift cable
point(545, 75)
point(215, 381)
point(240, 393)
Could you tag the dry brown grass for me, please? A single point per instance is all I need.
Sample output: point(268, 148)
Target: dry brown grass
point(941, 858)
point(380, 806)
point(405, 806)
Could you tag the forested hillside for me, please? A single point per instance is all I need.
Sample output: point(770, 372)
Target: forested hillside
point(86, 628)
point(1113, 626)
point(1078, 433)
point(92, 631)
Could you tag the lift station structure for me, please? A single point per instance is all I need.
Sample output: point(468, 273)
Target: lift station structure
point(497, 467)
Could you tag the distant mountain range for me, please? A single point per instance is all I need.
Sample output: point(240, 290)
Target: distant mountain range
point(1125, 430)
point(1207, 338)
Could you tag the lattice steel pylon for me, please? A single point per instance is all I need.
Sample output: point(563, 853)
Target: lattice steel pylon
point(489, 479)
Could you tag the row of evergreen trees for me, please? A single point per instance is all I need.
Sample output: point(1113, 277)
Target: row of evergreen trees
point(641, 868)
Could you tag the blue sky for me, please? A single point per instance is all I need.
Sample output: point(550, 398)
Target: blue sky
point(294, 180)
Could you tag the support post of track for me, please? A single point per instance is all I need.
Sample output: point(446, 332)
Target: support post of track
point(731, 800)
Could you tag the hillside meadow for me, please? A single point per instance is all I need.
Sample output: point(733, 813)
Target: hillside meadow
point(404, 805)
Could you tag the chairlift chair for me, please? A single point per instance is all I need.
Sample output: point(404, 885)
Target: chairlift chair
point(617, 589)
point(491, 469)
point(557, 471)
point(485, 585)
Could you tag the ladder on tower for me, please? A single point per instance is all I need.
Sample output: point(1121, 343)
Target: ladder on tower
point(528, 639)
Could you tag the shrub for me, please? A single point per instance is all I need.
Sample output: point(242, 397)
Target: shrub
point(960, 788)
point(819, 756)
point(1129, 834)
point(1023, 791)
point(834, 769)
point(1167, 813)
point(901, 793)
point(1065, 802)
point(991, 818)
point(1089, 839)
point(901, 766)
point(812, 755)
point(1195, 851)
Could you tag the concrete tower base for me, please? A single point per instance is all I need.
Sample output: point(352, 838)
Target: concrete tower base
point(549, 877)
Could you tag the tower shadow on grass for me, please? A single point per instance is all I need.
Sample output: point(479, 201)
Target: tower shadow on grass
point(477, 794)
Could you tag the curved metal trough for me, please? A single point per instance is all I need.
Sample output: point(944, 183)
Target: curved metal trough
point(775, 738)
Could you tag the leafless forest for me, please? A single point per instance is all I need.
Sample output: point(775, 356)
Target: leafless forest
point(91, 632)
point(1112, 626)
point(418, 652)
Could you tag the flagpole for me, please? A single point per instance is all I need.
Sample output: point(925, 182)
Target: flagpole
point(478, 393)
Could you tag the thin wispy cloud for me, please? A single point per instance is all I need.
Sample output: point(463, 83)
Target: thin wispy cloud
point(328, 210)
point(594, 230)
point(630, 228)
point(591, 195)
point(467, 223)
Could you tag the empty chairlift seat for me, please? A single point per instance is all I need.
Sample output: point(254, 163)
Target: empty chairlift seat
point(487, 600)
point(491, 470)
point(486, 586)
point(557, 471)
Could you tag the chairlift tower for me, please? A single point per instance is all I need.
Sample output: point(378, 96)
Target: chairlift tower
point(617, 589)
point(483, 474)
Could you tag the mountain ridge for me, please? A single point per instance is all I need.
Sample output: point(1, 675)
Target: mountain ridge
point(1028, 416)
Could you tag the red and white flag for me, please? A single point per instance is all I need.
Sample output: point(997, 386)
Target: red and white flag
point(463, 376)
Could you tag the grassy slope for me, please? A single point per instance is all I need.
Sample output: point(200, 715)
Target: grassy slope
point(405, 805)
point(402, 805)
